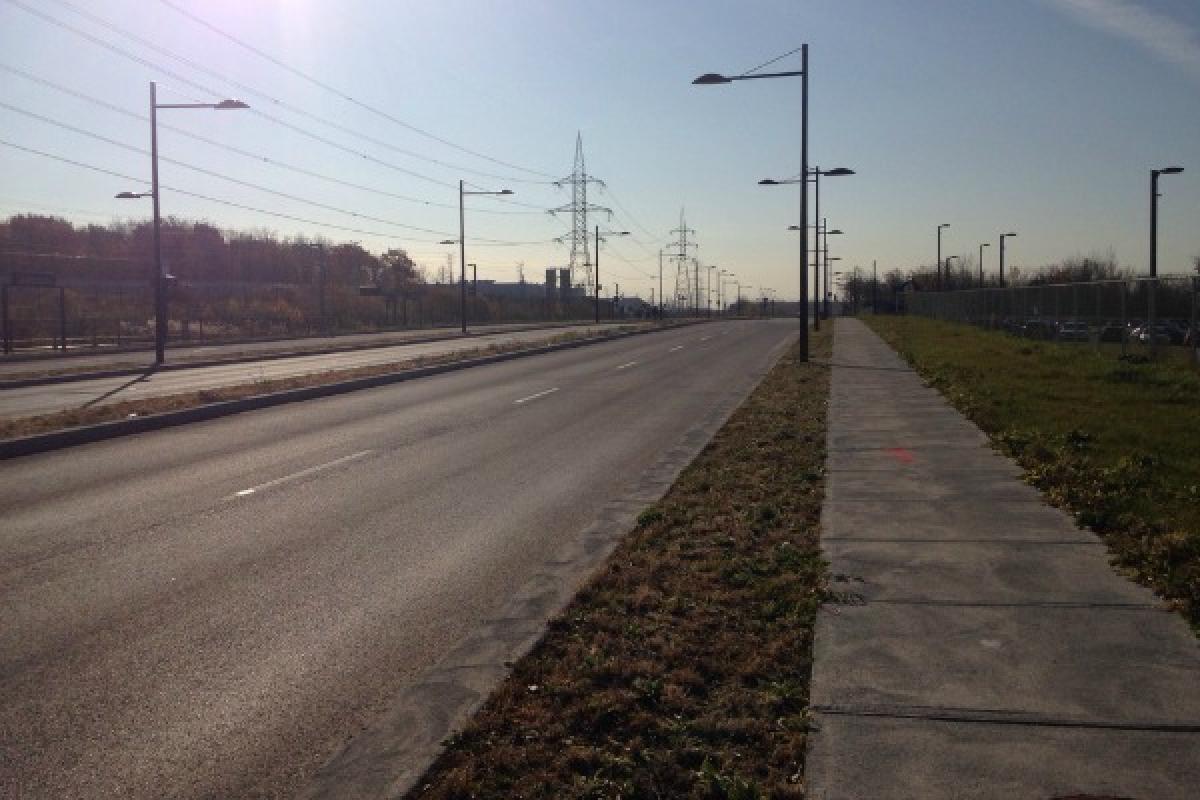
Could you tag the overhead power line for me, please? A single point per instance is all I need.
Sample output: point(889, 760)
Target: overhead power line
point(249, 154)
point(240, 206)
point(176, 76)
point(348, 98)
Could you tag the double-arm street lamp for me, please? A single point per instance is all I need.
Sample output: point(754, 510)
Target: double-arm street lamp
point(597, 272)
point(821, 246)
point(939, 258)
point(711, 78)
point(708, 294)
point(1003, 236)
point(160, 279)
point(981, 246)
point(1154, 173)
point(947, 264)
point(462, 248)
point(814, 176)
point(721, 279)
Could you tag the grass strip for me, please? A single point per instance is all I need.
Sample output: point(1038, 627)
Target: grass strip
point(71, 418)
point(1116, 442)
point(682, 669)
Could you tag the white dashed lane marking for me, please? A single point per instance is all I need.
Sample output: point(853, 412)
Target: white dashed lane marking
point(535, 396)
point(303, 473)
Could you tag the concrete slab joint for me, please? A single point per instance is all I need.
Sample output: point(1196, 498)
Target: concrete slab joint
point(989, 650)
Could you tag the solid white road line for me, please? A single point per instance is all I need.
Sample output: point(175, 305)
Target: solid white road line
point(676, 347)
point(304, 473)
point(627, 366)
point(705, 338)
point(535, 396)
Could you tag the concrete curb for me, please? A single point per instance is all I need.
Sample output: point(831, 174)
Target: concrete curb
point(56, 440)
point(122, 372)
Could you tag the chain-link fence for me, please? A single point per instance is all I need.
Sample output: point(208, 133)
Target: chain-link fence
point(1143, 315)
point(41, 311)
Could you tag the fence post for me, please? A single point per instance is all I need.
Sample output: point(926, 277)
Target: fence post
point(1152, 317)
point(1195, 332)
point(5, 322)
point(1124, 321)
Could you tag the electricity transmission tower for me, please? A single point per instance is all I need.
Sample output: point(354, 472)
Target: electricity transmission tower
point(686, 288)
point(578, 208)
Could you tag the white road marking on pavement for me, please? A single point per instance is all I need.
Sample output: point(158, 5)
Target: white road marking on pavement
point(303, 473)
point(705, 338)
point(627, 366)
point(676, 347)
point(535, 396)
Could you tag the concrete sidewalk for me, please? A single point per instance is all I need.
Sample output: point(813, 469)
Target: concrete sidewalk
point(989, 649)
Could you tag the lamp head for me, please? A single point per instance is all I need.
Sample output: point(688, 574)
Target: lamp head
point(710, 78)
point(768, 182)
point(834, 232)
point(448, 241)
point(505, 191)
point(1170, 170)
point(833, 173)
point(230, 105)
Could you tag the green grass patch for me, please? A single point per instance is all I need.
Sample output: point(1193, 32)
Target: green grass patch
point(1117, 442)
point(682, 669)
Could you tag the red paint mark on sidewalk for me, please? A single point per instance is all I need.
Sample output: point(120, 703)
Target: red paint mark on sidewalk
point(901, 455)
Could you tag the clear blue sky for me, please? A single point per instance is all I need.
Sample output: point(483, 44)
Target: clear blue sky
point(1039, 116)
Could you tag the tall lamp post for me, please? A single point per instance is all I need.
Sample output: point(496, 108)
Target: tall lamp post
point(814, 177)
point(160, 279)
point(708, 294)
point(462, 247)
point(721, 280)
point(947, 263)
point(1003, 236)
point(981, 246)
point(711, 78)
point(1154, 173)
point(597, 271)
point(939, 259)
point(821, 299)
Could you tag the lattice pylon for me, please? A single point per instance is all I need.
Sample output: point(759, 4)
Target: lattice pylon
point(581, 254)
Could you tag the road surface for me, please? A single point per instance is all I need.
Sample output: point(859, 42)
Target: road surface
point(216, 610)
point(29, 401)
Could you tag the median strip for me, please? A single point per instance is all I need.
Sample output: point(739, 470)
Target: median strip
point(28, 435)
point(682, 668)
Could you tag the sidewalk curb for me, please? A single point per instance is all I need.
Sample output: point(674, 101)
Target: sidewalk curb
point(57, 440)
point(72, 377)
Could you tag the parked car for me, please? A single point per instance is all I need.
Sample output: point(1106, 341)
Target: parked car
point(1039, 329)
point(1074, 332)
point(1153, 334)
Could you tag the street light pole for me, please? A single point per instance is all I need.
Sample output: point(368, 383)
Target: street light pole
point(713, 78)
point(1003, 236)
point(597, 272)
point(939, 259)
point(1154, 173)
point(661, 305)
point(160, 278)
point(981, 246)
point(462, 247)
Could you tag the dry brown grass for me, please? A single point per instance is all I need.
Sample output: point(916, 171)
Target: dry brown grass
point(60, 420)
point(682, 669)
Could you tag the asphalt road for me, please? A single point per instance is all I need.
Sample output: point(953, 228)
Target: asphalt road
point(216, 610)
point(45, 399)
point(26, 364)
